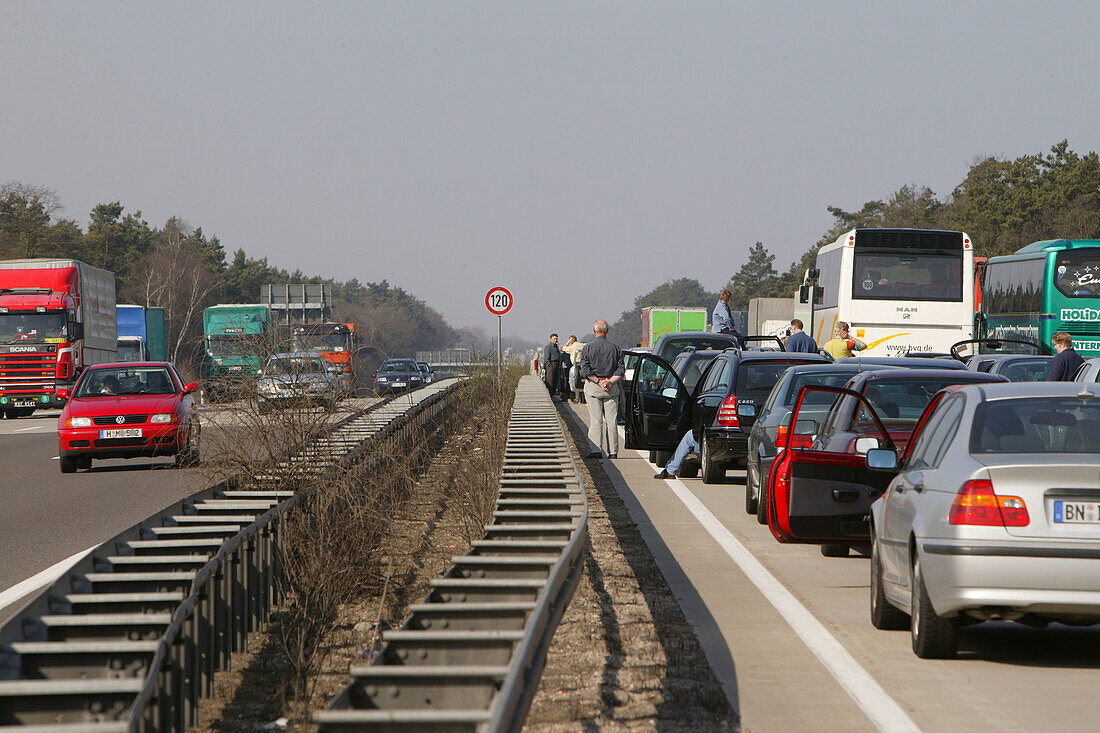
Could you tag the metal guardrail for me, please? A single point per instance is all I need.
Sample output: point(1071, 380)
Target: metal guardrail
point(132, 637)
point(470, 656)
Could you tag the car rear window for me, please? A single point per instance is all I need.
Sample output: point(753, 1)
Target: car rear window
point(902, 400)
point(834, 378)
point(672, 347)
point(694, 370)
point(1036, 425)
point(760, 376)
point(1027, 371)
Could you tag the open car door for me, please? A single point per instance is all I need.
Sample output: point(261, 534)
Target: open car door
point(657, 406)
point(819, 496)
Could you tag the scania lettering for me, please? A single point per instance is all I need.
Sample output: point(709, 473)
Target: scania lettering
point(901, 290)
point(56, 317)
point(1043, 288)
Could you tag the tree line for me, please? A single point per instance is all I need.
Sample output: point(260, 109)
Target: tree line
point(1002, 204)
point(183, 270)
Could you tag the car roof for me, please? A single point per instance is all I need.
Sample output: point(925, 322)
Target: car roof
point(904, 375)
point(1015, 390)
point(1005, 357)
point(703, 353)
point(129, 364)
point(912, 362)
point(780, 356)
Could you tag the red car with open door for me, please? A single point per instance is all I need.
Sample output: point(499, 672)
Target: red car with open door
point(128, 411)
point(820, 489)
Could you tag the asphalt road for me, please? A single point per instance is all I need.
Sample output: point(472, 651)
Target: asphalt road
point(789, 635)
point(47, 516)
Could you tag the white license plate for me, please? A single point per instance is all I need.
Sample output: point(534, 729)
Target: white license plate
point(1076, 512)
point(121, 433)
point(24, 403)
point(399, 384)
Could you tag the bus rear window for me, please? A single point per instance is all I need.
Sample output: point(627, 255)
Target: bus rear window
point(1077, 273)
point(907, 276)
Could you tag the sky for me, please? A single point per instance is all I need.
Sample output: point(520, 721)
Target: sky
point(577, 153)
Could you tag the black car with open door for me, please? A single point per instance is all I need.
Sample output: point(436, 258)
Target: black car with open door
point(721, 409)
point(820, 489)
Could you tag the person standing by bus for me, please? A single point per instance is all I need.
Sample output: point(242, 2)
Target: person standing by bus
point(1064, 366)
point(843, 343)
point(799, 341)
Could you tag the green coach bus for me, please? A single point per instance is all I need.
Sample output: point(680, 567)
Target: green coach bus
point(1041, 289)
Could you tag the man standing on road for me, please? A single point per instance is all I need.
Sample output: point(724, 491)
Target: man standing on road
point(721, 319)
point(551, 359)
point(1064, 366)
point(602, 368)
point(799, 341)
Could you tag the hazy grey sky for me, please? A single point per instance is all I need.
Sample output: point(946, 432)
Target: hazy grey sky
point(577, 153)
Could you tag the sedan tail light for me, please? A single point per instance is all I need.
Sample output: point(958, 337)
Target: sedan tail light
point(727, 413)
point(781, 433)
point(977, 504)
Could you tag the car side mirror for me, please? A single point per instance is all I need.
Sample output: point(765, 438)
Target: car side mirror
point(78, 331)
point(190, 387)
point(882, 459)
point(669, 392)
point(864, 445)
point(62, 393)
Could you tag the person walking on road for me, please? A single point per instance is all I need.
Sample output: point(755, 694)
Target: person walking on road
point(687, 445)
point(843, 343)
point(799, 341)
point(602, 368)
point(1064, 366)
point(551, 360)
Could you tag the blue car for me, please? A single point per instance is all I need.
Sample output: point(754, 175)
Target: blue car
point(397, 375)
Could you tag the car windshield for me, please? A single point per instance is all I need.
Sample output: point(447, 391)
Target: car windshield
point(321, 341)
point(295, 365)
point(17, 328)
point(834, 378)
point(396, 366)
point(902, 399)
point(1036, 425)
point(110, 381)
point(129, 351)
point(1034, 370)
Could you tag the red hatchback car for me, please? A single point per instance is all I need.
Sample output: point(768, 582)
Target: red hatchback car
point(128, 411)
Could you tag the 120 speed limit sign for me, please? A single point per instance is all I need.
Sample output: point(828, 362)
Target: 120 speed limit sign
point(498, 301)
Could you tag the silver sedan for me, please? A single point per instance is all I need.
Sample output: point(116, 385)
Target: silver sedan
point(994, 514)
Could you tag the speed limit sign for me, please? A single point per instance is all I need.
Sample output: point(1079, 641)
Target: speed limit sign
point(498, 301)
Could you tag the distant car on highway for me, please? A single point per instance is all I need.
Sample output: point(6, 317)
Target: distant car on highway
point(397, 375)
point(822, 494)
point(991, 514)
point(426, 372)
point(298, 378)
point(128, 411)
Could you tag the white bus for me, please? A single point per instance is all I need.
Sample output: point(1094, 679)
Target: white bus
point(901, 290)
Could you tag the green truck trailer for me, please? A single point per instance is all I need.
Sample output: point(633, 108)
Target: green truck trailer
point(238, 339)
point(657, 321)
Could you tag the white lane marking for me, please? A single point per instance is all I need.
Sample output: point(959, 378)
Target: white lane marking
point(23, 430)
point(40, 580)
point(875, 702)
point(56, 458)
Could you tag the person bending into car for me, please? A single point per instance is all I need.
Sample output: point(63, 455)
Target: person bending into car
point(687, 445)
point(1064, 366)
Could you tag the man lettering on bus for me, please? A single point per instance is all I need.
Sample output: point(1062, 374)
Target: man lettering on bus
point(799, 341)
point(1064, 366)
point(843, 343)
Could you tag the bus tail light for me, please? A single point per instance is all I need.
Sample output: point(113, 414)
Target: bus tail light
point(977, 504)
point(727, 413)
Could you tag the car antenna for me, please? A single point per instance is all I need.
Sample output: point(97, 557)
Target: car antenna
point(1085, 394)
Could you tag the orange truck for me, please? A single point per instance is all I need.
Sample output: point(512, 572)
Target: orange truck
point(336, 342)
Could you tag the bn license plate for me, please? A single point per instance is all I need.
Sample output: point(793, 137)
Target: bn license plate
point(399, 384)
point(23, 403)
point(120, 433)
point(1079, 512)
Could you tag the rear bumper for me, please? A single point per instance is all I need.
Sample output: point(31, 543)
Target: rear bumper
point(155, 440)
point(1056, 580)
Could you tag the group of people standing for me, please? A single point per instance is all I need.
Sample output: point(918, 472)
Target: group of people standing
point(600, 365)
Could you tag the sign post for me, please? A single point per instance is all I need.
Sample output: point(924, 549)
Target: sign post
point(499, 301)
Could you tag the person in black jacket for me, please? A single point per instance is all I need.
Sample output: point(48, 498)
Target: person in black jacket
point(1064, 366)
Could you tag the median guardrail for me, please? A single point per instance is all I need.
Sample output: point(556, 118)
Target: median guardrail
point(131, 637)
point(470, 655)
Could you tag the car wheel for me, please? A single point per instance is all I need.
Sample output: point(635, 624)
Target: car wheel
point(751, 500)
point(189, 456)
point(834, 550)
point(713, 471)
point(661, 457)
point(68, 464)
point(653, 456)
point(84, 462)
point(934, 637)
point(883, 615)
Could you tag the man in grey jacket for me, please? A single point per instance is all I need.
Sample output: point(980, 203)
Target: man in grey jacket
point(602, 368)
point(551, 360)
